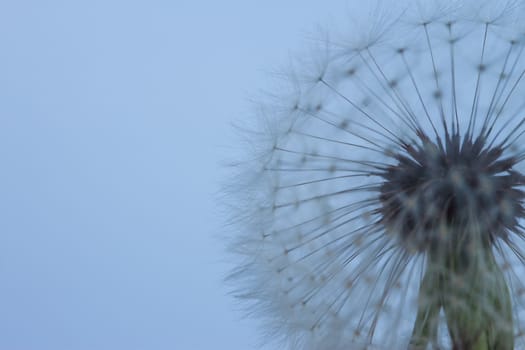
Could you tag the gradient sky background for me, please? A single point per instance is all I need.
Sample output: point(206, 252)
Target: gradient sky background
point(114, 117)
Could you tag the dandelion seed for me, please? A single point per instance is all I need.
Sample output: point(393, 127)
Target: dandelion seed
point(382, 206)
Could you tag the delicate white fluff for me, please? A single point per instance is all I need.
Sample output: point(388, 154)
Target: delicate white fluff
point(314, 262)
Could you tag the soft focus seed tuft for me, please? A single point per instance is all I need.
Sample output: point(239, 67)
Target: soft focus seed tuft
point(380, 202)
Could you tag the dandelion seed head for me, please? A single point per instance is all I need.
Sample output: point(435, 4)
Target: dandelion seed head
point(393, 158)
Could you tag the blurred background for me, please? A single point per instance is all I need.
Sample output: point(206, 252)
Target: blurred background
point(114, 120)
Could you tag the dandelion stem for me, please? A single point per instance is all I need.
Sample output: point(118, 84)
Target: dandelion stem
point(426, 325)
point(469, 286)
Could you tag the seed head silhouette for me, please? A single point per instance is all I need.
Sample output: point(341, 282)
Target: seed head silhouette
point(381, 205)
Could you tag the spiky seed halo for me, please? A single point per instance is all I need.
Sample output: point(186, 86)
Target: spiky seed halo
point(353, 175)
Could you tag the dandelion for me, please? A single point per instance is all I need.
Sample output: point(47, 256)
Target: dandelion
point(382, 202)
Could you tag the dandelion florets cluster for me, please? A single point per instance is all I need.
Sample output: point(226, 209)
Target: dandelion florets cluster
point(381, 202)
point(438, 189)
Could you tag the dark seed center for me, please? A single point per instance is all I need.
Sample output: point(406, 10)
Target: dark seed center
point(435, 191)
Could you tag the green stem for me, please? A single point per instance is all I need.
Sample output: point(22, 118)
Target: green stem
point(429, 306)
point(468, 285)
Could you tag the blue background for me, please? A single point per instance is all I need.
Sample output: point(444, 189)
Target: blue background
point(114, 119)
